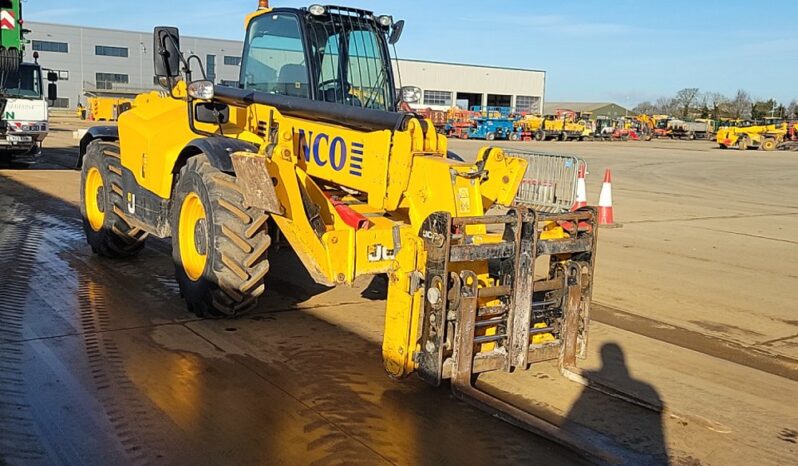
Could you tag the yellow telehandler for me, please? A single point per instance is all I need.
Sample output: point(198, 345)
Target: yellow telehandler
point(766, 135)
point(487, 267)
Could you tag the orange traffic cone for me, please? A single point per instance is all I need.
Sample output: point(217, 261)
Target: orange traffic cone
point(605, 201)
point(581, 191)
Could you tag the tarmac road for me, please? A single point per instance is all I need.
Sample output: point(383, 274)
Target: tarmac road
point(100, 362)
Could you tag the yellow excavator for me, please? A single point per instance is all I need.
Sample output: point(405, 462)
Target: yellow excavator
point(488, 269)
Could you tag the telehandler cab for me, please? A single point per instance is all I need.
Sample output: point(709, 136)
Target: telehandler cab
point(311, 138)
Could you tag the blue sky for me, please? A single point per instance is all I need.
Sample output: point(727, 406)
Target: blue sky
point(620, 50)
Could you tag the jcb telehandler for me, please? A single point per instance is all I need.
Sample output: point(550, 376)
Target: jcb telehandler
point(311, 138)
point(764, 136)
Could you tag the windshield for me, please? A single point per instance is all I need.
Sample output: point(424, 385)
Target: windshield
point(346, 60)
point(26, 82)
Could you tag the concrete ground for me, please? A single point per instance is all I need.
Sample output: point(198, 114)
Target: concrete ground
point(694, 311)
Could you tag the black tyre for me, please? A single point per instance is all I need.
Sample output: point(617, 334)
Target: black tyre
point(768, 144)
point(514, 136)
point(454, 156)
point(540, 135)
point(742, 143)
point(563, 136)
point(218, 245)
point(490, 136)
point(108, 231)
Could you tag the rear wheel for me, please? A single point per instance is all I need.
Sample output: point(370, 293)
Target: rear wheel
point(540, 135)
point(108, 231)
point(514, 136)
point(219, 246)
point(768, 144)
point(490, 136)
point(563, 136)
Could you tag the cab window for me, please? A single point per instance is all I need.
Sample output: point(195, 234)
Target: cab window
point(274, 58)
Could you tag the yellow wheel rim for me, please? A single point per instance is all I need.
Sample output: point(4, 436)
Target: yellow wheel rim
point(192, 237)
point(94, 211)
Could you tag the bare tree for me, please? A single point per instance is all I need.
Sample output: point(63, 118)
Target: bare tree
point(740, 106)
point(645, 108)
point(665, 105)
point(714, 103)
point(685, 99)
point(792, 109)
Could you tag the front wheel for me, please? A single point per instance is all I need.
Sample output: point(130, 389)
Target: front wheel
point(540, 135)
point(490, 136)
point(107, 229)
point(742, 144)
point(218, 245)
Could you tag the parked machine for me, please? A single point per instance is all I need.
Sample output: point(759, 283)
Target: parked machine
point(23, 100)
point(458, 123)
point(492, 123)
point(356, 188)
point(698, 129)
point(764, 136)
point(104, 108)
point(561, 127)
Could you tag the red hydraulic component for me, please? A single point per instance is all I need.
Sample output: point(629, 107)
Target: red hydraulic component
point(349, 216)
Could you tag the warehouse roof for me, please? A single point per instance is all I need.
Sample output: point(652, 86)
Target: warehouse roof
point(551, 107)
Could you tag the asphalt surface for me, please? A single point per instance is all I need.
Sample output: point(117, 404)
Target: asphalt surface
point(101, 363)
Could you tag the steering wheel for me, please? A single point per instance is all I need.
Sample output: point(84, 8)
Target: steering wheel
point(336, 85)
point(341, 94)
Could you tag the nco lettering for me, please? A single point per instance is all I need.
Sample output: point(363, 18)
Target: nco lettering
point(324, 150)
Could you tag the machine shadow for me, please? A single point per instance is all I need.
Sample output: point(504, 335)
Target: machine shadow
point(642, 427)
point(54, 157)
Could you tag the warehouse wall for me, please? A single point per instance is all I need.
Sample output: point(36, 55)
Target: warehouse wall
point(484, 80)
point(79, 63)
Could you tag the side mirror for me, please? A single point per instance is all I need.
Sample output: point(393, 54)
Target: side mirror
point(212, 112)
point(52, 76)
point(396, 31)
point(52, 92)
point(166, 52)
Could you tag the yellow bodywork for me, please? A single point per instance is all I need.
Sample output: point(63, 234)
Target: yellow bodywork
point(396, 179)
point(94, 214)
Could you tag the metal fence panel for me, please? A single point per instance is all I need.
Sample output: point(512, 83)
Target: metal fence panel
point(549, 184)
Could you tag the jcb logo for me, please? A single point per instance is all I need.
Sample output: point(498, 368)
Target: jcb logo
point(323, 150)
point(379, 253)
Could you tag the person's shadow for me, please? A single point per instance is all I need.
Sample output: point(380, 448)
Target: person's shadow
point(635, 427)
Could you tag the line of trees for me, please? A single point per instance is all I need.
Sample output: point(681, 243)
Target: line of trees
point(691, 103)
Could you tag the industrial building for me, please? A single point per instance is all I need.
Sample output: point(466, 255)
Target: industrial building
point(595, 109)
point(107, 61)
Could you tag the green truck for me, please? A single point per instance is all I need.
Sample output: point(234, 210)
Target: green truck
point(12, 35)
point(23, 97)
